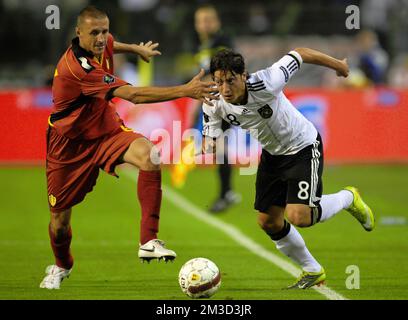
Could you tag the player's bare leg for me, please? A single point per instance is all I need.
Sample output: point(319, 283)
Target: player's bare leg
point(60, 237)
point(289, 241)
point(331, 204)
point(273, 221)
point(142, 154)
point(304, 216)
point(299, 214)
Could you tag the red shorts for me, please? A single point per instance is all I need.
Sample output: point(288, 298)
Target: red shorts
point(73, 165)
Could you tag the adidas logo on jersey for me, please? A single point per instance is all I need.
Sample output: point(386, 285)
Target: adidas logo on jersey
point(244, 111)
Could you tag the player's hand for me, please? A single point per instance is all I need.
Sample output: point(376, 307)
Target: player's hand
point(205, 91)
point(147, 50)
point(343, 68)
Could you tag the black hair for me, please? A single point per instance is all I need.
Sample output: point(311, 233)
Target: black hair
point(227, 60)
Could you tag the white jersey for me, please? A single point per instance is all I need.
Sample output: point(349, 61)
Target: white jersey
point(279, 127)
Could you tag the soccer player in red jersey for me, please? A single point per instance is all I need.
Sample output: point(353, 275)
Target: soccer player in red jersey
point(85, 134)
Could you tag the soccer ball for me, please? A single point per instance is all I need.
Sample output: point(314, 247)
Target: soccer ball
point(199, 278)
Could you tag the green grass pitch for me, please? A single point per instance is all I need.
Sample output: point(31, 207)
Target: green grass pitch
point(106, 233)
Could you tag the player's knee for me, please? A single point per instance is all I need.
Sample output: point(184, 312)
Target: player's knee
point(61, 233)
point(298, 217)
point(143, 155)
point(268, 224)
point(154, 158)
point(149, 159)
point(60, 224)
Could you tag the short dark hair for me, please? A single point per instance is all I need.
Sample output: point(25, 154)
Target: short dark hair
point(227, 60)
point(90, 12)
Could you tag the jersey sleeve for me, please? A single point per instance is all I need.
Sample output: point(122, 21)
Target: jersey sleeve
point(277, 76)
point(100, 84)
point(211, 122)
point(109, 44)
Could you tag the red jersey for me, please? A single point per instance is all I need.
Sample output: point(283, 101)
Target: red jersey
point(82, 90)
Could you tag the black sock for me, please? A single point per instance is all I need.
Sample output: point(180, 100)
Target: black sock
point(280, 234)
point(316, 214)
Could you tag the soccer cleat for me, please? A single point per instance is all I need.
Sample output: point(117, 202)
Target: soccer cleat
point(54, 277)
point(155, 249)
point(309, 279)
point(360, 210)
point(222, 204)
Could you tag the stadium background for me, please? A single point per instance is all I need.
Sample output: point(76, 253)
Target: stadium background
point(363, 119)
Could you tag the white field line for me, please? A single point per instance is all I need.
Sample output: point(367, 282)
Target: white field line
point(246, 242)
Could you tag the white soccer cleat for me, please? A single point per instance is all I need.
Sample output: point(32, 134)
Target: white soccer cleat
point(54, 277)
point(155, 249)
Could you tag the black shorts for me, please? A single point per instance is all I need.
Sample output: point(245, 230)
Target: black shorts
point(290, 179)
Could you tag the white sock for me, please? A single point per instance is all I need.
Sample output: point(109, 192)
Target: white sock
point(293, 246)
point(334, 203)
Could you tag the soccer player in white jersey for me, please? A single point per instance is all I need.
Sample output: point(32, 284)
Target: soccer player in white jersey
point(289, 176)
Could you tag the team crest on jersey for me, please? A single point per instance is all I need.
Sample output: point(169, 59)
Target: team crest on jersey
point(52, 200)
point(266, 111)
point(107, 78)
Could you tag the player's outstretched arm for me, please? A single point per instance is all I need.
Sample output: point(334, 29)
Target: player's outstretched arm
point(196, 89)
point(319, 58)
point(144, 50)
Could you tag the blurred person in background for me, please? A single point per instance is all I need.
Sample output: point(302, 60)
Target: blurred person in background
point(85, 134)
point(210, 39)
point(372, 61)
point(126, 70)
point(376, 15)
point(398, 75)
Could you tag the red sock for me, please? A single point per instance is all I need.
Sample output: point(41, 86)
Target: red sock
point(149, 193)
point(61, 248)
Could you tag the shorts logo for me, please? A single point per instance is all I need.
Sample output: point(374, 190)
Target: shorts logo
point(266, 111)
point(107, 78)
point(52, 200)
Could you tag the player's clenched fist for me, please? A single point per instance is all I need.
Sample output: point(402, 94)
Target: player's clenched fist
point(343, 68)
